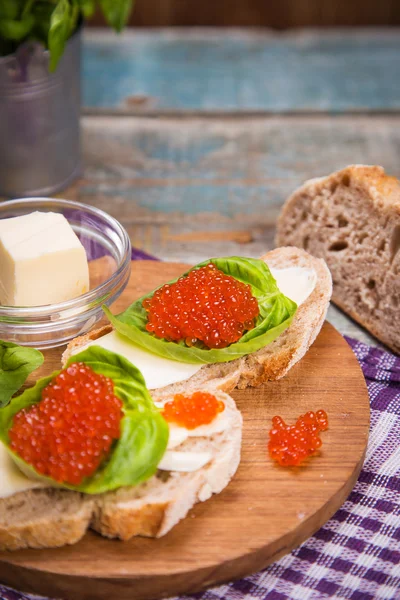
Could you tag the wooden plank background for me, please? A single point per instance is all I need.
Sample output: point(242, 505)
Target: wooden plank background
point(282, 14)
point(240, 70)
point(187, 188)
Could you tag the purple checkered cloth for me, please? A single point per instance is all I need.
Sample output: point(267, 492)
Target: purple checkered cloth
point(355, 555)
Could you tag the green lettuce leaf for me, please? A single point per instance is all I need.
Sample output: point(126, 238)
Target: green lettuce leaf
point(144, 433)
point(16, 363)
point(276, 314)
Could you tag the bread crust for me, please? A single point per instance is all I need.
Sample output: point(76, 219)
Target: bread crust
point(81, 341)
point(357, 203)
point(143, 521)
point(383, 189)
point(274, 361)
point(54, 518)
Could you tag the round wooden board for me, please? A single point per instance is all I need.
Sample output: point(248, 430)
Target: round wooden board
point(264, 512)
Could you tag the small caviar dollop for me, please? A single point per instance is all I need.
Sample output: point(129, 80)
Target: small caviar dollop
point(190, 412)
point(289, 445)
point(206, 306)
point(69, 433)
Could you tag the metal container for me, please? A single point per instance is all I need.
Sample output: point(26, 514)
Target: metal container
point(39, 120)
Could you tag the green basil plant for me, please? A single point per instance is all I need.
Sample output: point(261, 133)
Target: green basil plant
point(276, 314)
point(144, 432)
point(52, 22)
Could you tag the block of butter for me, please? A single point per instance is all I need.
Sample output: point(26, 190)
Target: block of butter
point(42, 260)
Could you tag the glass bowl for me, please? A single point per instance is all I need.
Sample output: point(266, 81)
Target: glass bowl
point(108, 250)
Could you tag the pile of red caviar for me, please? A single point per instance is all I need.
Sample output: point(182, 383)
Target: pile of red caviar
point(289, 445)
point(200, 408)
point(205, 306)
point(69, 432)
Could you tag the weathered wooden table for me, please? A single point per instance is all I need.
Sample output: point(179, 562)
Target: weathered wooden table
point(194, 138)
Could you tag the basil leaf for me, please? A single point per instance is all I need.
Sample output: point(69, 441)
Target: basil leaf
point(116, 12)
point(129, 384)
point(143, 441)
point(144, 433)
point(276, 314)
point(9, 9)
point(16, 29)
point(42, 13)
point(16, 363)
point(59, 32)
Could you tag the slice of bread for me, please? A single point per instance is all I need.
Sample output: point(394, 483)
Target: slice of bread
point(153, 508)
point(47, 518)
point(351, 219)
point(270, 363)
point(223, 376)
point(43, 518)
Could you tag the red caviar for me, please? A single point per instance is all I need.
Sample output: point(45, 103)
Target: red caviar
point(205, 306)
point(200, 408)
point(70, 431)
point(289, 445)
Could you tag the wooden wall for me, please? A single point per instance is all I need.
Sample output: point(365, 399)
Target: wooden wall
point(278, 14)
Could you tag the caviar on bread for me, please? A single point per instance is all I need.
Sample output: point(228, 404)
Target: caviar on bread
point(292, 293)
point(77, 426)
point(220, 310)
point(201, 408)
point(205, 307)
point(70, 432)
point(139, 465)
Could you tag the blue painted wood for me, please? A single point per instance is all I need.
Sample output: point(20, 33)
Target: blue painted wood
point(234, 70)
point(198, 176)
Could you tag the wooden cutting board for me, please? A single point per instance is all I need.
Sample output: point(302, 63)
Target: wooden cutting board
point(264, 512)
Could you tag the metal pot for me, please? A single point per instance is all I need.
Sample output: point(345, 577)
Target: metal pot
point(39, 120)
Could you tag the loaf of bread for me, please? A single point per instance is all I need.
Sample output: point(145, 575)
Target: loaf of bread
point(351, 219)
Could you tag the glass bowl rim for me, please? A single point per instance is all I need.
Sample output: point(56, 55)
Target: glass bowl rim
point(93, 294)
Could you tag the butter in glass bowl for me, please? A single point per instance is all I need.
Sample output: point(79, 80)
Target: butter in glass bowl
point(42, 260)
point(45, 306)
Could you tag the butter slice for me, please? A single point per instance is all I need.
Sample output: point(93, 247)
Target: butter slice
point(297, 283)
point(185, 462)
point(42, 260)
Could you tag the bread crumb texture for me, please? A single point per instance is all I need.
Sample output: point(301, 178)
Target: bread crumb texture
point(351, 219)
